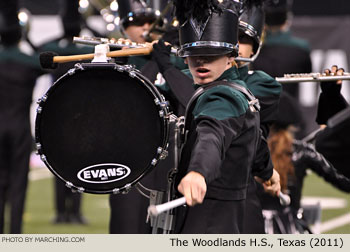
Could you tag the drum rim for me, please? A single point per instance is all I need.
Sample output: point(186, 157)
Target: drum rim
point(160, 102)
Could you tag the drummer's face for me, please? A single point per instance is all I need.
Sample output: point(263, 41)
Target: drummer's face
point(205, 69)
point(135, 32)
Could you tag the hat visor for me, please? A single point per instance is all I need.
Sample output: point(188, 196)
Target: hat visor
point(204, 51)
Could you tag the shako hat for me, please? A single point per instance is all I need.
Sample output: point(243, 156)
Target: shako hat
point(277, 11)
point(251, 22)
point(139, 11)
point(207, 27)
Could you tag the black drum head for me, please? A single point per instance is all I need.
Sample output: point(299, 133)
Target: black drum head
point(100, 129)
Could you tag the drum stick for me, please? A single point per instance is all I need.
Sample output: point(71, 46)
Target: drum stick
point(154, 210)
point(284, 199)
point(50, 60)
point(120, 53)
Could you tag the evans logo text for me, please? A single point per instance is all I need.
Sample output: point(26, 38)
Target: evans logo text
point(103, 173)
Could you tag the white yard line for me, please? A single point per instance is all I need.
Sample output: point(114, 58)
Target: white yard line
point(335, 223)
point(325, 202)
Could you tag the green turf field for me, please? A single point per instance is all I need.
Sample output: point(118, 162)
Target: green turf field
point(40, 211)
point(315, 186)
point(40, 208)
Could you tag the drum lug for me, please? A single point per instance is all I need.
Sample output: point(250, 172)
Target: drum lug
point(42, 99)
point(38, 146)
point(162, 153)
point(164, 104)
point(43, 158)
point(132, 74)
point(79, 66)
point(129, 67)
point(69, 185)
point(154, 162)
point(116, 191)
point(71, 71)
point(156, 101)
point(81, 190)
point(119, 69)
point(127, 189)
point(38, 110)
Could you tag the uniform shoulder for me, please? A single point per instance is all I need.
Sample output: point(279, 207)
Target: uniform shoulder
point(260, 83)
point(14, 54)
point(261, 74)
point(221, 102)
point(300, 43)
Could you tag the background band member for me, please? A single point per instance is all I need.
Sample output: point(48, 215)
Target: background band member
point(291, 158)
point(333, 142)
point(18, 73)
point(267, 90)
point(282, 53)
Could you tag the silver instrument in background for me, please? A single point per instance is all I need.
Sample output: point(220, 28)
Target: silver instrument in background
point(311, 77)
point(112, 43)
point(119, 44)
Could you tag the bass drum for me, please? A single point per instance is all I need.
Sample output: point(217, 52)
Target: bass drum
point(102, 127)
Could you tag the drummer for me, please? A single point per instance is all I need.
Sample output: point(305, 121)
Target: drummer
point(223, 137)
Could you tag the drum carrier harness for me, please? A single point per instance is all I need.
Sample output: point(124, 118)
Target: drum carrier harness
point(182, 128)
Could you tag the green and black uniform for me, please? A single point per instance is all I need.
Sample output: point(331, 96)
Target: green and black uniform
point(18, 74)
point(221, 146)
point(282, 54)
point(334, 142)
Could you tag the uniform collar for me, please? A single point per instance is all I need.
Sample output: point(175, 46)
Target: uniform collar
point(273, 37)
point(243, 72)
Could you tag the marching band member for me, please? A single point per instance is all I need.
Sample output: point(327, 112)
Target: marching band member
point(291, 158)
point(18, 73)
point(217, 157)
point(282, 53)
point(267, 90)
point(333, 142)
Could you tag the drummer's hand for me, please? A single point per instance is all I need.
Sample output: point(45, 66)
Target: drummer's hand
point(161, 55)
point(193, 187)
point(273, 186)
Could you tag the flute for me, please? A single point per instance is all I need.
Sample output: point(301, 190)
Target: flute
point(112, 43)
point(85, 40)
point(311, 77)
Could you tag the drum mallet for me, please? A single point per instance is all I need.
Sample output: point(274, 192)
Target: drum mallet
point(155, 210)
point(284, 199)
point(49, 60)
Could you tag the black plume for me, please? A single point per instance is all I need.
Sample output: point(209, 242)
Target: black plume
point(198, 9)
point(46, 60)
